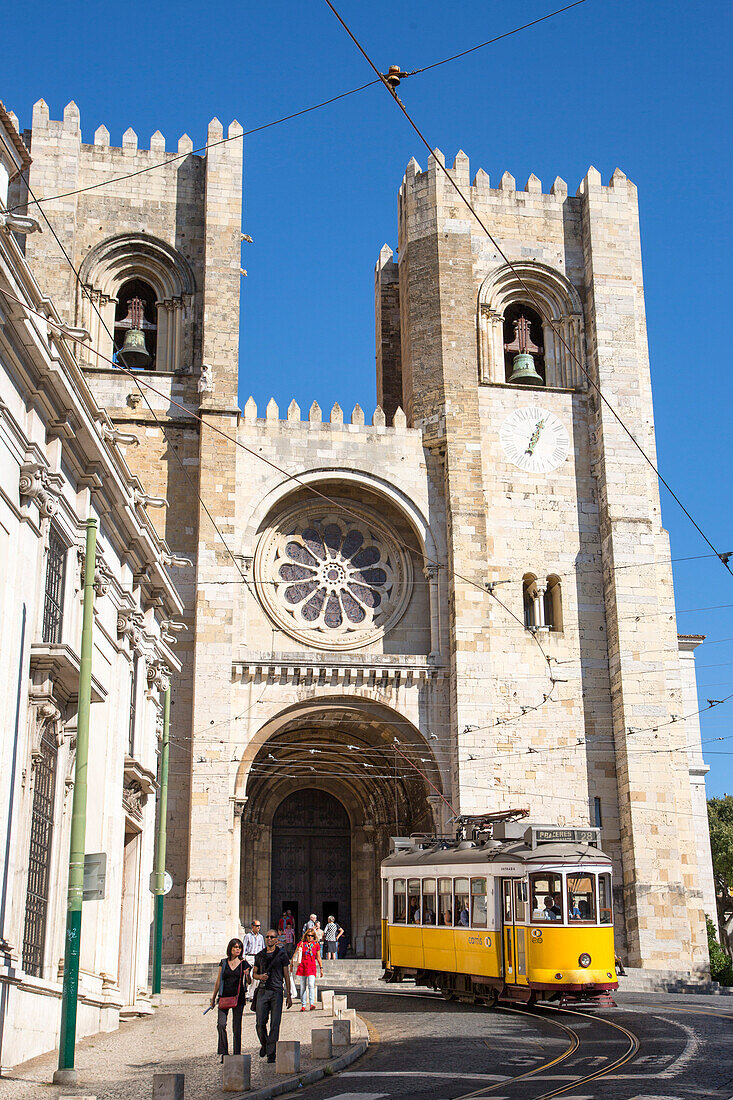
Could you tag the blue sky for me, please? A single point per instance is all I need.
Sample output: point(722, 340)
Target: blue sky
point(612, 82)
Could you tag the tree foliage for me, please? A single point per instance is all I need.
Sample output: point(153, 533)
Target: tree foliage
point(720, 821)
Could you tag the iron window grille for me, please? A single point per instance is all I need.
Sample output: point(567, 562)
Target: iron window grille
point(39, 856)
point(53, 603)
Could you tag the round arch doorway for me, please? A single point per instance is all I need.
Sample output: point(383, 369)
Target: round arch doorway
point(311, 859)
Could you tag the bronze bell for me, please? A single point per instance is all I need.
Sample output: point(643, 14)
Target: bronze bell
point(133, 352)
point(523, 369)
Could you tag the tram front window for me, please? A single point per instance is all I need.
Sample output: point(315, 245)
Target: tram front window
point(582, 898)
point(520, 901)
point(460, 908)
point(445, 900)
point(428, 901)
point(478, 902)
point(605, 908)
point(546, 891)
point(399, 901)
point(413, 901)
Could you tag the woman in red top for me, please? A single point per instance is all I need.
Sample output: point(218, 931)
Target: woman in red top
point(309, 952)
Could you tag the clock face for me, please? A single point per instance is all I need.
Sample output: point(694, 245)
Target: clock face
point(535, 440)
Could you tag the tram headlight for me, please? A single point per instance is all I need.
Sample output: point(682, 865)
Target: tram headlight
point(584, 959)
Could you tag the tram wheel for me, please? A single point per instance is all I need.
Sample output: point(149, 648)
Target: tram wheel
point(448, 994)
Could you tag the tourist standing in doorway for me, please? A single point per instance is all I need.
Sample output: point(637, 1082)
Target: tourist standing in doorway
point(254, 942)
point(230, 987)
point(332, 933)
point(272, 971)
point(308, 957)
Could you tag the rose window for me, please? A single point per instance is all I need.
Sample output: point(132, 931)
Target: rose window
point(336, 576)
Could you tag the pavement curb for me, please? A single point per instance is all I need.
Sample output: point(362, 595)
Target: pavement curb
point(291, 1084)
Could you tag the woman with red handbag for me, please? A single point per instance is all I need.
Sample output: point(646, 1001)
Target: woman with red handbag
point(231, 984)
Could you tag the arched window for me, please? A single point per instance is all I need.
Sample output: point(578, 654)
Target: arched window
point(553, 604)
point(523, 336)
point(554, 310)
point(137, 290)
point(529, 597)
point(135, 267)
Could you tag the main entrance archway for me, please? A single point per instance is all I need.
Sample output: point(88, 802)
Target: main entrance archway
point(325, 790)
point(311, 858)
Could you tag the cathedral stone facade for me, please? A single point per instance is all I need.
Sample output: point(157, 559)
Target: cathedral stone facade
point(465, 605)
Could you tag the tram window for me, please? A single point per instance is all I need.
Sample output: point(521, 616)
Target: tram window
point(582, 897)
point(478, 902)
point(428, 901)
point(546, 892)
point(445, 900)
point(399, 901)
point(413, 901)
point(460, 907)
point(520, 901)
point(507, 901)
point(605, 911)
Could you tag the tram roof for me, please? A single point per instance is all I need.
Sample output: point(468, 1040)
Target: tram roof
point(497, 852)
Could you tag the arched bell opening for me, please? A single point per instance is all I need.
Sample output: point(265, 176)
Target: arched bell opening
point(325, 791)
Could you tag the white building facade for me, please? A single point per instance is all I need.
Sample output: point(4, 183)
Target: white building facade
point(61, 462)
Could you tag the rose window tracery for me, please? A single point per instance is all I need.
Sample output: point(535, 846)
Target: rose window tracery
point(333, 578)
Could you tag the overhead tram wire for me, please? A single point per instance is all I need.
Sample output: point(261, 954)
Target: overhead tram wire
point(295, 114)
point(396, 76)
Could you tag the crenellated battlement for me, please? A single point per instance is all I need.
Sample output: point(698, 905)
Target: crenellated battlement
point(481, 189)
point(315, 420)
point(69, 126)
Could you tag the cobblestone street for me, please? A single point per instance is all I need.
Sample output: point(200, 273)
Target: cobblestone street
point(176, 1039)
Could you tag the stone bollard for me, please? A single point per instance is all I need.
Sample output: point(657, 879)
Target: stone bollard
point(236, 1072)
point(168, 1086)
point(340, 1002)
point(327, 1000)
point(321, 1042)
point(287, 1056)
point(77, 1096)
point(346, 1014)
point(342, 1033)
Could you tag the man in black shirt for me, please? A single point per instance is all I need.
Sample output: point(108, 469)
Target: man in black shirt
point(272, 970)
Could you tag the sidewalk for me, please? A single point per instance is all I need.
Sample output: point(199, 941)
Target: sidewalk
point(177, 1039)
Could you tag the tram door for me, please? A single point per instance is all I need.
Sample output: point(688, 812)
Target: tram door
point(514, 930)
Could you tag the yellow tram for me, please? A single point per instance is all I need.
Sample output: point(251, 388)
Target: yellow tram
point(521, 914)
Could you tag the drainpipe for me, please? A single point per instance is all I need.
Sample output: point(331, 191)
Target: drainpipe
point(158, 889)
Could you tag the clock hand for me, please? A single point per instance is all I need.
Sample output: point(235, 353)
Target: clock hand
point(534, 437)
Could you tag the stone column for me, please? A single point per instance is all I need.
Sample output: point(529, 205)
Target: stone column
point(236, 869)
point(430, 572)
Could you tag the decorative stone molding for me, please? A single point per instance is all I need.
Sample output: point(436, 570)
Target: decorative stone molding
point(144, 500)
point(368, 674)
point(170, 629)
point(130, 625)
point(41, 486)
point(158, 674)
point(113, 435)
point(134, 799)
point(46, 717)
point(175, 561)
point(332, 581)
point(18, 223)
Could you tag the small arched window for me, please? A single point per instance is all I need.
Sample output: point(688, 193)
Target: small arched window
point(553, 604)
point(523, 336)
point(130, 293)
point(529, 597)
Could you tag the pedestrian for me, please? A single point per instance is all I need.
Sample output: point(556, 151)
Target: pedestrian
point(310, 923)
point(307, 960)
point(230, 987)
point(332, 933)
point(272, 971)
point(319, 934)
point(254, 942)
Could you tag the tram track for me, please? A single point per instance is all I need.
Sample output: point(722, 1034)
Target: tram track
point(576, 1043)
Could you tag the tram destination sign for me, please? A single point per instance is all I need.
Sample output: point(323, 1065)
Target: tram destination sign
point(544, 834)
